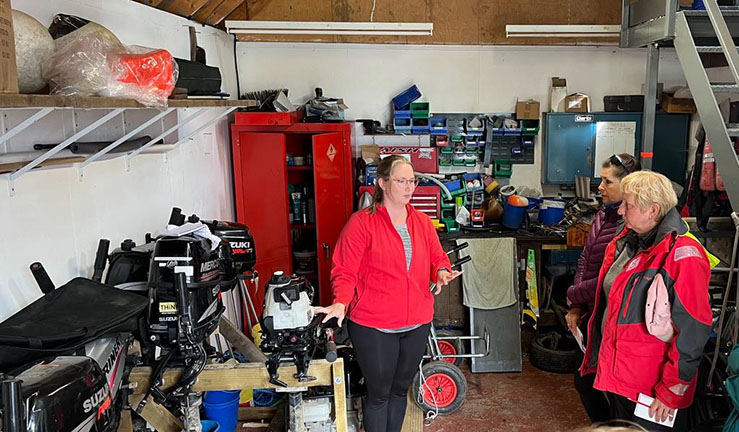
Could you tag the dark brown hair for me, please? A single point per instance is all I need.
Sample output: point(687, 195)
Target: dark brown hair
point(629, 162)
point(384, 169)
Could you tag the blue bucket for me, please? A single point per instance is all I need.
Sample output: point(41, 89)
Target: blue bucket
point(513, 216)
point(210, 426)
point(222, 407)
point(551, 211)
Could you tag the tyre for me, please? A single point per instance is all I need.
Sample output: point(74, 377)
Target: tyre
point(445, 388)
point(451, 347)
point(552, 352)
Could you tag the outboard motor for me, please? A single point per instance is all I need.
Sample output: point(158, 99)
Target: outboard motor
point(290, 328)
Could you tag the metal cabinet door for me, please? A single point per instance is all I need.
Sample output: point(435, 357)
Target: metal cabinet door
point(569, 147)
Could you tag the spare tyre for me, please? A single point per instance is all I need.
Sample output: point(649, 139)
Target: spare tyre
point(553, 352)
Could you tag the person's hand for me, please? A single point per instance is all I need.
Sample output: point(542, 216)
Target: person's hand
point(443, 278)
point(336, 310)
point(660, 411)
point(573, 318)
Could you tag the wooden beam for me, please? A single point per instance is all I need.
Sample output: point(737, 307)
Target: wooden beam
point(256, 413)
point(238, 376)
point(156, 415)
point(125, 424)
point(206, 11)
point(239, 14)
point(337, 370)
point(239, 340)
point(39, 101)
point(194, 7)
point(222, 11)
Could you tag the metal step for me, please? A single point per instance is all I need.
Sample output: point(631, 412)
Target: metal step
point(725, 88)
point(710, 49)
point(725, 11)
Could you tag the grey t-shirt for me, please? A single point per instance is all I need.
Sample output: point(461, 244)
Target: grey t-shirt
point(405, 235)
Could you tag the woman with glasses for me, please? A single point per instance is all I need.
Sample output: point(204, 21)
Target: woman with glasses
point(581, 295)
point(384, 261)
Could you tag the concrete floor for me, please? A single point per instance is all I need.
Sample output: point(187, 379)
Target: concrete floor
point(516, 402)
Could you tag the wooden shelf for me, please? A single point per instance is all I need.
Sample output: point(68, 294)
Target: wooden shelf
point(300, 168)
point(53, 101)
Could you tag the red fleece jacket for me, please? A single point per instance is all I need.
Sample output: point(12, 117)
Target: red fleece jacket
point(369, 272)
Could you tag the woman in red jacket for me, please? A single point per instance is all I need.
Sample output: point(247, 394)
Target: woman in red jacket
point(581, 295)
point(652, 315)
point(384, 261)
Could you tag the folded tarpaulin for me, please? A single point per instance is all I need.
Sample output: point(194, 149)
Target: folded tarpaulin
point(488, 280)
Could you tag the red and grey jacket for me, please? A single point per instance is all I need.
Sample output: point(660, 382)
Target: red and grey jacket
point(369, 272)
point(627, 358)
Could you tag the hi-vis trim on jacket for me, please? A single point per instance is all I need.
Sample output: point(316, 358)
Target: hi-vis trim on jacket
point(627, 358)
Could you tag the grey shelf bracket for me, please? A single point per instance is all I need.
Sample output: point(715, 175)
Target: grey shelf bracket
point(59, 147)
point(174, 128)
point(38, 115)
point(210, 122)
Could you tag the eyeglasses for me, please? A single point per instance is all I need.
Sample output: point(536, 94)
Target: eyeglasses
point(406, 182)
point(616, 160)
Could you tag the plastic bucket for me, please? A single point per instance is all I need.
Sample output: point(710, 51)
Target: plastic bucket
point(210, 426)
point(305, 262)
point(513, 215)
point(222, 407)
point(551, 211)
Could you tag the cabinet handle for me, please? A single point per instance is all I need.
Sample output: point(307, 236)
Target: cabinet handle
point(326, 250)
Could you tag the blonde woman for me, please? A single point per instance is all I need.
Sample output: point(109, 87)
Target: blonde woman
point(652, 315)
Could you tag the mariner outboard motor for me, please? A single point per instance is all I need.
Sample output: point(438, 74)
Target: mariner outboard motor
point(290, 329)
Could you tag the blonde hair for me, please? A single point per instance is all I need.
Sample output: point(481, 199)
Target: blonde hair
point(384, 169)
point(649, 187)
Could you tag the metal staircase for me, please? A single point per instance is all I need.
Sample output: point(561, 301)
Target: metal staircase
point(655, 24)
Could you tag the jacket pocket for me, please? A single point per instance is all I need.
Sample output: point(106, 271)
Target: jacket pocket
point(638, 363)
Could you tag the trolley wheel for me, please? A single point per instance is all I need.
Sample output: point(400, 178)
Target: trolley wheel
point(445, 387)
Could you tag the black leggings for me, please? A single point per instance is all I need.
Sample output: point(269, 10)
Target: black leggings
point(388, 362)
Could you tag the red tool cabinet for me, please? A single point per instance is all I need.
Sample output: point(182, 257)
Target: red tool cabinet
point(261, 179)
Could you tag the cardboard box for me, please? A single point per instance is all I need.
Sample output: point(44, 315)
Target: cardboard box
point(577, 103)
point(557, 95)
point(424, 159)
point(678, 106)
point(527, 110)
point(8, 70)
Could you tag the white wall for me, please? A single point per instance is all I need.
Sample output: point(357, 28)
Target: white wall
point(451, 78)
point(57, 219)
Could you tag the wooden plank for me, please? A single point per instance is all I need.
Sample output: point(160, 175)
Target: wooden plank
point(237, 377)
point(339, 395)
point(14, 166)
point(125, 424)
point(239, 14)
point(256, 413)
point(222, 11)
point(156, 415)
point(278, 421)
point(413, 421)
point(204, 13)
point(239, 340)
point(40, 101)
point(459, 22)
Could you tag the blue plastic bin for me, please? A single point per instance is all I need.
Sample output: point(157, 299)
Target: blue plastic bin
point(513, 216)
point(222, 407)
point(551, 211)
point(210, 426)
point(404, 99)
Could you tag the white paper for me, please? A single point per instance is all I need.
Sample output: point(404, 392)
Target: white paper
point(579, 338)
point(642, 411)
point(612, 138)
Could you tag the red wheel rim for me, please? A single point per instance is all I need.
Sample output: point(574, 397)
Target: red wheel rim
point(447, 348)
point(444, 390)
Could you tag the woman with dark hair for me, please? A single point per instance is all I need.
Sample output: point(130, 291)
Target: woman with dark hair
point(385, 259)
point(581, 295)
